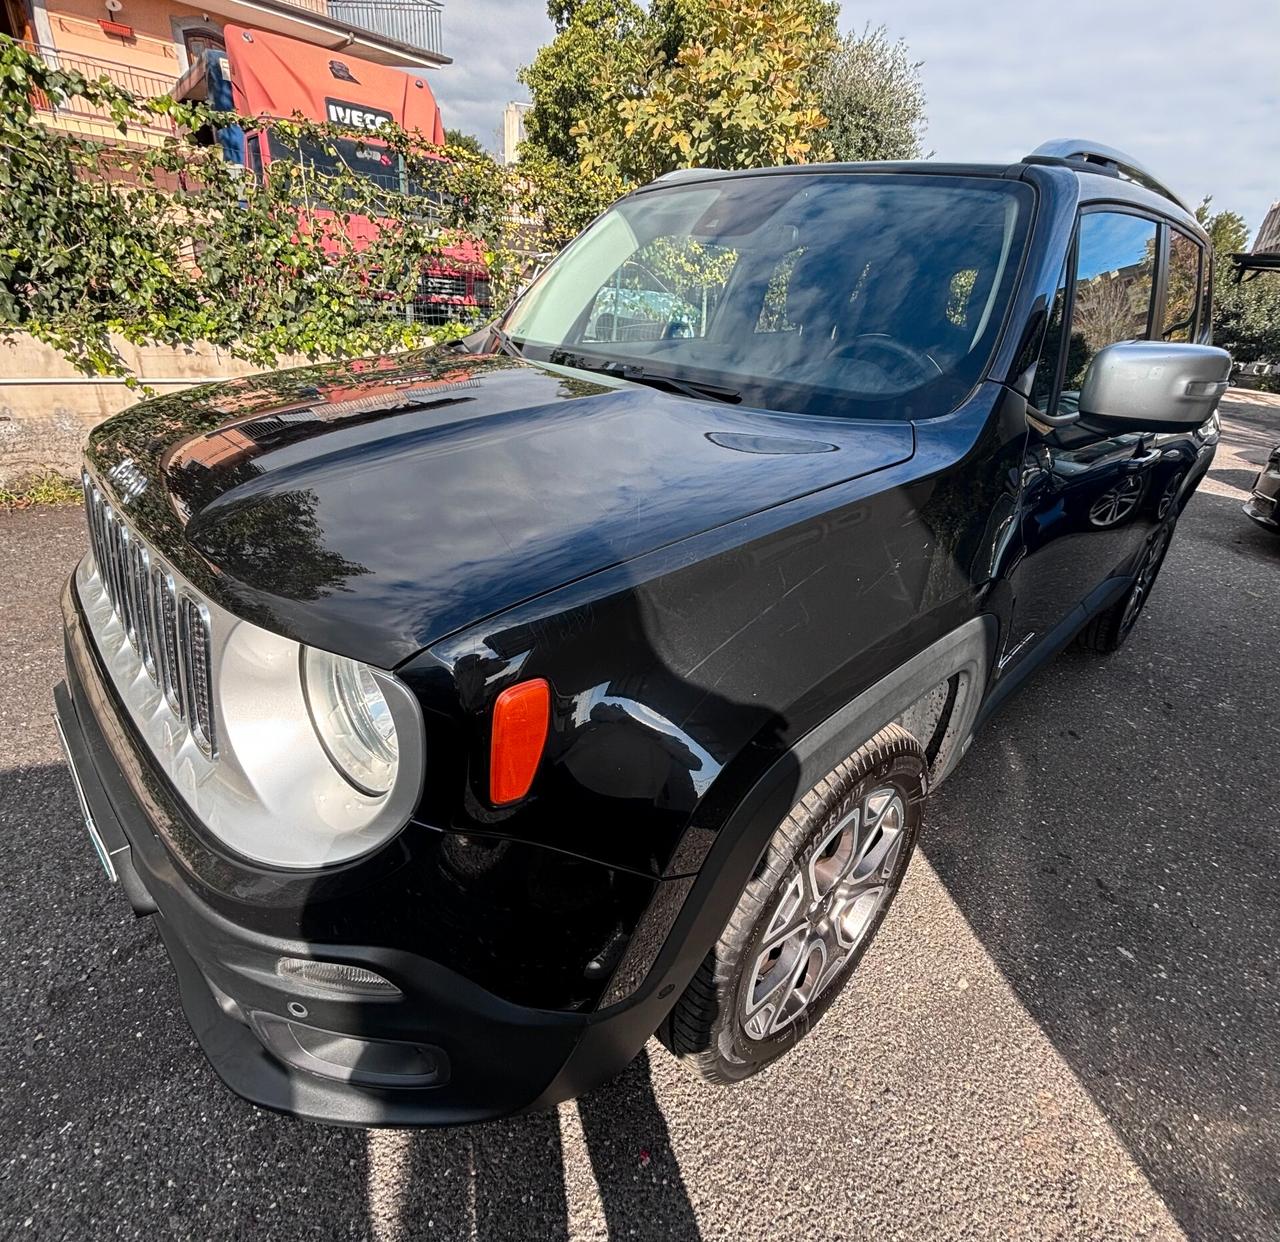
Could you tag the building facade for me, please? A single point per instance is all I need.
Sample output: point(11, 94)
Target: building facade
point(513, 130)
point(144, 46)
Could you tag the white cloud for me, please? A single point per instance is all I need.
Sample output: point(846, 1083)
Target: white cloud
point(489, 40)
point(1191, 91)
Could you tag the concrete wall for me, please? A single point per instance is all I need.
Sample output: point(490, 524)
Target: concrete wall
point(47, 407)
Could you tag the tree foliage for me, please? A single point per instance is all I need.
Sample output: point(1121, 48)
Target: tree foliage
point(1246, 313)
point(163, 241)
point(1247, 319)
point(869, 90)
point(1227, 229)
point(737, 94)
point(460, 140)
point(598, 49)
point(624, 93)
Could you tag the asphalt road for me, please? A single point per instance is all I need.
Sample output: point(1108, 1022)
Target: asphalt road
point(1070, 1026)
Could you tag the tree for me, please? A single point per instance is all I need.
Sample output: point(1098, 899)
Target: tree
point(1227, 229)
point(1246, 313)
point(673, 23)
point(869, 90)
point(624, 93)
point(597, 49)
point(1247, 319)
point(464, 141)
point(738, 94)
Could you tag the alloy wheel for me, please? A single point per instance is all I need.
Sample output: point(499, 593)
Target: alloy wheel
point(1146, 576)
point(1115, 504)
point(824, 913)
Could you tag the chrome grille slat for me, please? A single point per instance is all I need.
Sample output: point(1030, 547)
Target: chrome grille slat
point(145, 614)
point(196, 639)
point(169, 657)
point(128, 603)
point(167, 627)
point(115, 575)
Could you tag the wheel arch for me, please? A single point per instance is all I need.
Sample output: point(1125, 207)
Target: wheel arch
point(676, 942)
point(963, 656)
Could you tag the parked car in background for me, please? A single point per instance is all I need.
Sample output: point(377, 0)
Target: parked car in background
point(467, 718)
point(1263, 504)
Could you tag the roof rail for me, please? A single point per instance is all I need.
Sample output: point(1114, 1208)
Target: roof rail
point(1104, 159)
point(688, 174)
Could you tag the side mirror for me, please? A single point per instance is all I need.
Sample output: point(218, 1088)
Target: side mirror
point(1155, 385)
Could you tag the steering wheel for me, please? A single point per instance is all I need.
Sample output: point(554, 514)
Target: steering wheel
point(923, 362)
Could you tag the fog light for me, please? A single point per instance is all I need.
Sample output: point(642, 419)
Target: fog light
point(350, 1058)
point(335, 977)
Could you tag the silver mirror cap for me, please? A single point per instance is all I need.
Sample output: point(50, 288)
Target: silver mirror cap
point(1160, 385)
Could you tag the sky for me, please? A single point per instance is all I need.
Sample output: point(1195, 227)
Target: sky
point(1190, 90)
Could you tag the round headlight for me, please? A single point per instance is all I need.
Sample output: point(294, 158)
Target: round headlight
point(352, 719)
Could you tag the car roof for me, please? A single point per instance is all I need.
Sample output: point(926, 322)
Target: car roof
point(1111, 177)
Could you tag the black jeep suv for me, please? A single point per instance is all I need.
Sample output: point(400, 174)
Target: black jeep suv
point(466, 718)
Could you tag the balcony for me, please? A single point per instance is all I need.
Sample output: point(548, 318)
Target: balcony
point(413, 23)
point(79, 116)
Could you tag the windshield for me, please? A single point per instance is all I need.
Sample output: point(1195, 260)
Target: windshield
point(864, 295)
point(369, 160)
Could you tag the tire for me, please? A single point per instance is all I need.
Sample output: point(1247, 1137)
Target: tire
point(1108, 631)
point(779, 964)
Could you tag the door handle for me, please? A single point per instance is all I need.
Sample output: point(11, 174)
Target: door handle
point(1145, 459)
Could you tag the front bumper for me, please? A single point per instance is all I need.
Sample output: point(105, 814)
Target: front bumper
point(444, 1051)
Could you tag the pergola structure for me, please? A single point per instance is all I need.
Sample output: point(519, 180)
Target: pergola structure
point(1265, 255)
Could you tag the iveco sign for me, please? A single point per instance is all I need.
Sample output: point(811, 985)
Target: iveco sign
point(356, 116)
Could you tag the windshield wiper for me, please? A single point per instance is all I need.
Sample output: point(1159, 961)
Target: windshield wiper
point(629, 371)
point(505, 343)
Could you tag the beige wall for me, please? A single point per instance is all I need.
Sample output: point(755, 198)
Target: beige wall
point(43, 424)
point(152, 50)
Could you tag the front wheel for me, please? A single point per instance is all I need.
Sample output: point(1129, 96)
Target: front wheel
point(808, 914)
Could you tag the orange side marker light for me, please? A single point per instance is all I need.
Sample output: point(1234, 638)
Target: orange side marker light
point(521, 715)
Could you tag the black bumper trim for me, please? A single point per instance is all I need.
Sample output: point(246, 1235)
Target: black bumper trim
point(502, 1056)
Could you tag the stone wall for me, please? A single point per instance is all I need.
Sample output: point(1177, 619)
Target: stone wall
point(47, 407)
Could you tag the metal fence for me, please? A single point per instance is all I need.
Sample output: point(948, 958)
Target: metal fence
point(415, 23)
point(141, 83)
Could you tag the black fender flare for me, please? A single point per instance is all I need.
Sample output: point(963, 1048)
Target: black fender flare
point(618, 1031)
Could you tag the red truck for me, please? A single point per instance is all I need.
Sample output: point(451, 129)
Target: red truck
point(270, 76)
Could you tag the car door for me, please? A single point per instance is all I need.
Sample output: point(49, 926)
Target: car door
point(1085, 506)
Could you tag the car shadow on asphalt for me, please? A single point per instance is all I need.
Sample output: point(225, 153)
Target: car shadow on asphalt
point(502, 1180)
point(1243, 479)
point(507, 1180)
point(1111, 839)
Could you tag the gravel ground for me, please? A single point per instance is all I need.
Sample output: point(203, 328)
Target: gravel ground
point(1070, 1027)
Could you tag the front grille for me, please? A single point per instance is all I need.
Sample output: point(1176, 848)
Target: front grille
point(442, 285)
point(167, 626)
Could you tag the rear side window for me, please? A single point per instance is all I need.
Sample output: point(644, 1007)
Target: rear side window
point(1115, 279)
point(1182, 288)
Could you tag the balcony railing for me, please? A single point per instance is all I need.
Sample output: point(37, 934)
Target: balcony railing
point(77, 113)
point(415, 23)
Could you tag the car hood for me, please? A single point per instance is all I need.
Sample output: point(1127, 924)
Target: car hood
point(374, 507)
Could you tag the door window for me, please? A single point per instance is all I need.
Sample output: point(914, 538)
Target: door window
point(1115, 278)
point(1183, 286)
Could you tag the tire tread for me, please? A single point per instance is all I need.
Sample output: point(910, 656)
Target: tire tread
point(689, 1030)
